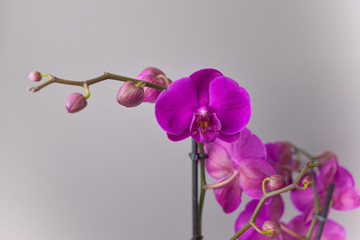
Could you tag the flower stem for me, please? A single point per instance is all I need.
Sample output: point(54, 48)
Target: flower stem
point(265, 196)
point(291, 232)
point(89, 82)
point(312, 160)
point(297, 149)
point(311, 228)
point(223, 183)
point(241, 231)
point(203, 183)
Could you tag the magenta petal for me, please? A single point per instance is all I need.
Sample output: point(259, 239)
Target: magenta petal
point(244, 217)
point(229, 196)
point(218, 164)
point(202, 80)
point(246, 214)
point(229, 138)
point(333, 231)
point(346, 198)
point(278, 153)
point(302, 198)
point(231, 104)
point(252, 172)
point(175, 106)
point(276, 208)
point(327, 173)
point(272, 211)
point(343, 178)
point(309, 213)
point(179, 137)
point(248, 146)
point(297, 225)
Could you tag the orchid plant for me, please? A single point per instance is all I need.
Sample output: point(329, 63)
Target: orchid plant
point(214, 111)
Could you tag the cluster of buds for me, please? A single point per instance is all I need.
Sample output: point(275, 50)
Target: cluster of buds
point(132, 95)
point(146, 87)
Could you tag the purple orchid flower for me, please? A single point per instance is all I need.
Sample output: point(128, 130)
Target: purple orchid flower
point(332, 230)
point(205, 106)
point(272, 211)
point(237, 167)
point(279, 156)
point(345, 196)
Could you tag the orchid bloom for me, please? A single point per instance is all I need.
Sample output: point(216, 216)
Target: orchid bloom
point(345, 196)
point(332, 230)
point(237, 167)
point(272, 211)
point(279, 156)
point(205, 106)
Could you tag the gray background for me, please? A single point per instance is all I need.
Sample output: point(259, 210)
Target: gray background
point(109, 172)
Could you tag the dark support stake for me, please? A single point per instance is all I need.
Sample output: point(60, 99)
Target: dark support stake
point(194, 156)
point(322, 218)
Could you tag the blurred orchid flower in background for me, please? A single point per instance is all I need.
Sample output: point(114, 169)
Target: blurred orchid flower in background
point(237, 167)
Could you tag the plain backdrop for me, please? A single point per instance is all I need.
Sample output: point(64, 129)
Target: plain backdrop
point(109, 172)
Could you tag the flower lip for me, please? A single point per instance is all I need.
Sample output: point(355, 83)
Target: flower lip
point(205, 126)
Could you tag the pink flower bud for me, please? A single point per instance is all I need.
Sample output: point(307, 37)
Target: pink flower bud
point(276, 182)
point(75, 102)
point(156, 76)
point(130, 95)
point(307, 180)
point(35, 76)
point(273, 227)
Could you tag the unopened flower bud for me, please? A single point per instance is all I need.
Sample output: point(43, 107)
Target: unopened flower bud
point(130, 95)
point(75, 102)
point(35, 76)
point(156, 76)
point(276, 182)
point(273, 227)
point(307, 180)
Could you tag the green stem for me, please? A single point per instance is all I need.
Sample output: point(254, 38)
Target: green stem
point(89, 82)
point(265, 196)
point(308, 155)
point(317, 207)
point(203, 183)
point(316, 196)
point(311, 228)
point(291, 232)
point(241, 231)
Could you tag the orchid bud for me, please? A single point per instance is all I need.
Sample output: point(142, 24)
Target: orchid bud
point(307, 180)
point(130, 95)
point(75, 102)
point(35, 76)
point(273, 227)
point(276, 182)
point(156, 76)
